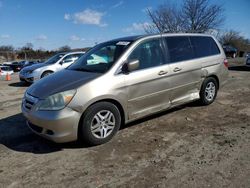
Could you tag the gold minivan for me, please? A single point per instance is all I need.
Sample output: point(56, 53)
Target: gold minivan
point(122, 80)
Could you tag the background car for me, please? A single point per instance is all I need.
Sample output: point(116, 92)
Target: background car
point(15, 66)
point(248, 61)
point(4, 70)
point(27, 63)
point(56, 63)
point(230, 51)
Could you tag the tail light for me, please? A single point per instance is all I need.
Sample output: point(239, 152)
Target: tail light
point(226, 63)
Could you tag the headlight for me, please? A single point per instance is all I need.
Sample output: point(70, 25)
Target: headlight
point(57, 101)
point(29, 72)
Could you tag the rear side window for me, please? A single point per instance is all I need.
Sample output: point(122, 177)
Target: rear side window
point(204, 46)
point(179, 49)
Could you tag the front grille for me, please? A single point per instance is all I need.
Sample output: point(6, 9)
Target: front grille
point(28, 104)
point(29, 101)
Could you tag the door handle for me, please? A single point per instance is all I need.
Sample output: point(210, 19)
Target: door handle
point(161, 73)
point(177, 69)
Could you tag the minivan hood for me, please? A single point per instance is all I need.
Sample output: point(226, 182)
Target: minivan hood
point(34, 67)
point(60, 81)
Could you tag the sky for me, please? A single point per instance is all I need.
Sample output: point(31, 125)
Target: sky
point(50, 24)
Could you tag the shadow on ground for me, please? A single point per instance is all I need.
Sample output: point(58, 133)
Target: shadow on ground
point(239, 68)
point(19, 84)
point(15, 135)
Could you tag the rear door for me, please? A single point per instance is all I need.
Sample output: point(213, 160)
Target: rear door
point(148, 87)
point(185, 71)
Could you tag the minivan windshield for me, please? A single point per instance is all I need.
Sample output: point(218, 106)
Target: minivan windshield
point(54, 59)
point(101, 58)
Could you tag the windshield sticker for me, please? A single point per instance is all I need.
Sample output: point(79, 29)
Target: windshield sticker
point(123, 43)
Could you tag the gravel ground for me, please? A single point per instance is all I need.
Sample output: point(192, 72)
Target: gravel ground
point(188, 146)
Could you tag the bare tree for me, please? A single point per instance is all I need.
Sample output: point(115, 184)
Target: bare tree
point(197, 16)
point(200, 16)
point(7, 52)
point(235, 39)
point(7, 48)
point(166, 19)
point(28, 47)
point(228, 38)
point(64, 48)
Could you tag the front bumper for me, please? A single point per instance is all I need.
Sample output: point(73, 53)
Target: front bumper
point(30, 78)
point(58, 126)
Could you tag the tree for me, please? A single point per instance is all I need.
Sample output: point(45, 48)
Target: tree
point(6, 48)
point(166, 19)
point(64, 48)
point(7, 52)
point(200, 16)
point(28, 47)
point(195, 16)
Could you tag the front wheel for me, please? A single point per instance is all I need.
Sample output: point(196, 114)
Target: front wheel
point(208, 91)
point(47, 73)
point(100, 123)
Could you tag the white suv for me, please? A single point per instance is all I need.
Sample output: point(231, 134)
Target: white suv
point(55, 63)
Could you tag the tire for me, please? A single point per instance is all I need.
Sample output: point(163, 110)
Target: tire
point(27, 83)
point(47, 73)
point(248, 62)
point(95, 128)
point(208, 91)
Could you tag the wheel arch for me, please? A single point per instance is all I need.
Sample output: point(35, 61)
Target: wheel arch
point(216, 78)
point(45, 71)
point(110, 100)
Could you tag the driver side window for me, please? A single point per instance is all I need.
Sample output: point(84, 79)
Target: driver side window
point(71, 58)
point(148, 53)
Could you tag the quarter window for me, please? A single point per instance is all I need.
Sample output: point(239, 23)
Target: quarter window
point(179, 49)
point(148, 53)
point(204, 46)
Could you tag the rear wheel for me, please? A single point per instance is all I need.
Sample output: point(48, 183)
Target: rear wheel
point(100, 123)
point(208, 91)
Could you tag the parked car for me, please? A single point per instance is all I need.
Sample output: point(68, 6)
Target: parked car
point(27, 63)
point(230, 51)
point(248, 61)
point(248, 55)
point(15, 66)
point(4, 70)
point(56, 63)
point(142, 75)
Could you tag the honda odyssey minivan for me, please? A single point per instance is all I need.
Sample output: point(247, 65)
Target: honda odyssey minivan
point(122, 80)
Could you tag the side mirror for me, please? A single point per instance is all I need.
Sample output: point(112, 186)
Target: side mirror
point(131, 65)
point(61, 62)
